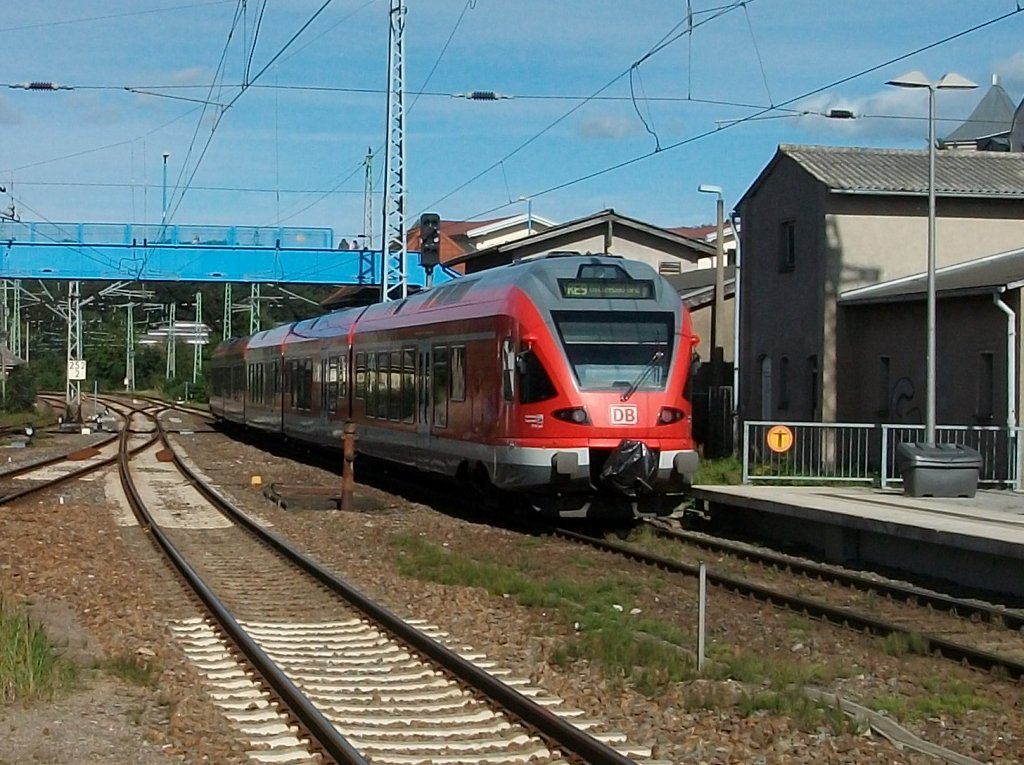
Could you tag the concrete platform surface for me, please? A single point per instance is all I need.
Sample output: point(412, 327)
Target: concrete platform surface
point(975, 539)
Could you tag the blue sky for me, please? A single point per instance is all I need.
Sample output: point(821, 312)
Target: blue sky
point(610, 104)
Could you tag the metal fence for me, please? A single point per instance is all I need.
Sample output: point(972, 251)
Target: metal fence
point(817, 452)
point(138, 234)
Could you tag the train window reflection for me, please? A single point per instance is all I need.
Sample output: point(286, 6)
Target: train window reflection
point(609, 352)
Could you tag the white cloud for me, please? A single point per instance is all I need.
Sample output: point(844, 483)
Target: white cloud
point(9, 115)
point(1011, 74)
point(609, 126)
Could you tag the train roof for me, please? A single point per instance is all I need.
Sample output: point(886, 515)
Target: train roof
point(557, 279)
point(269, 337)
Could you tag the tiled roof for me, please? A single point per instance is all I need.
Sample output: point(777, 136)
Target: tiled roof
point(896, 171)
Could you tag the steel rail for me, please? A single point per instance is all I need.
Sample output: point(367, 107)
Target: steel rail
point(322, 732)
point(564, 735)
point(964, 608)
point(946, 648)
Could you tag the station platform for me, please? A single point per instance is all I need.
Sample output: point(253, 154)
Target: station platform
point(975, 543)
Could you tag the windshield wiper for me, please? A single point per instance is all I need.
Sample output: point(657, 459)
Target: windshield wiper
point(635, 385)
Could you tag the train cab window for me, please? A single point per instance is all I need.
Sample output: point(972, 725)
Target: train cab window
point(440, 389)
point(508, 369)
point(618, 350)
point(458, 372)
point(360, 390)
point(534, 383)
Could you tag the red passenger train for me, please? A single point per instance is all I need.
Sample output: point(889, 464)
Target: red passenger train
point(562, 379)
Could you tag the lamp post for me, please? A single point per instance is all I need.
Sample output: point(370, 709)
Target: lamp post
point(949, 81)
point(716, 317)
point(163, 215)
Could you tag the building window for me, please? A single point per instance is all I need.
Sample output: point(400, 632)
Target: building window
point(787, 246)
point(784, 384)
point(986, 387)
point(812, 380)
point(884, 364)
point(670, 267)
point(766, 387)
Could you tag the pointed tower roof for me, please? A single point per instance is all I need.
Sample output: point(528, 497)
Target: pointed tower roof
point(993, 116)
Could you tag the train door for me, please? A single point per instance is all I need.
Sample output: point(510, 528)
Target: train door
point(424, 397)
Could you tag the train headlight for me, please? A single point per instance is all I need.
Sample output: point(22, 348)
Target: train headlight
point(576, 415)
point(669, 415)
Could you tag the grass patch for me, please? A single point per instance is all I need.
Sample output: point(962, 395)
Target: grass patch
point(808, 714)
point(727, 471)
point(645, 652)
point(945, 696)
point(133, 670)
point(905, 644)
point(30, 666)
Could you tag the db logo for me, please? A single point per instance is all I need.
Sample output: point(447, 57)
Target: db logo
point(624, 415)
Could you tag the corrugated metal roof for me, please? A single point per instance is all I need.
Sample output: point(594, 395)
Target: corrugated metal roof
point(1003, 270)
point(903, 171)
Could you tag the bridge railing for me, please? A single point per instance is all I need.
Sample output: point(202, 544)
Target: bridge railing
point(144, 234)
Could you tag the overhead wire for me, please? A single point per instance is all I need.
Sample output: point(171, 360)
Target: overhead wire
point(469, 5)
point(762, 112)
point(666, 40)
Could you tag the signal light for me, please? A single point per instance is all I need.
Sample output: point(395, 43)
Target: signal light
point(576, 415)
point(430, 240)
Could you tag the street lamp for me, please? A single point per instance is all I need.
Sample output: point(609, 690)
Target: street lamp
point(949, 81)
point(163, 217)
point(716, 317)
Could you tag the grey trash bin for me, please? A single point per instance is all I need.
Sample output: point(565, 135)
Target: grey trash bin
point(938, 470)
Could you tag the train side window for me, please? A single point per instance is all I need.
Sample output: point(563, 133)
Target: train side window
point(458, 359)
point(370, 385)
point(395, 386)
point(332, 383)
point(383, 380)
point(275, 378)
point(534, 383)
point(408, 384)
point(440, 389)
point(360, 391)
point(508, 368)
point(288, 386)
point(306, 385)
point(343, 376)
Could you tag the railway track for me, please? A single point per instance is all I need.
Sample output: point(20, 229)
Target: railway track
point(320, 657)
point(983, 636)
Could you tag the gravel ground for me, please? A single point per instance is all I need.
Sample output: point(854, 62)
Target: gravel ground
point(104, 594)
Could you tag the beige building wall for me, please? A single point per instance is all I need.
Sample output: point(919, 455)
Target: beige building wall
point(879, 248)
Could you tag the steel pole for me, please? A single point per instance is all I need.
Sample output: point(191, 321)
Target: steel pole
point(929, 422)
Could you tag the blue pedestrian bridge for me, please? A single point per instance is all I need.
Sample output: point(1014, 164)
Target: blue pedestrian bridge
point(148, 252)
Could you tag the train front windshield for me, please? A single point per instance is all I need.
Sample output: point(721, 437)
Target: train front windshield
point(618, 351)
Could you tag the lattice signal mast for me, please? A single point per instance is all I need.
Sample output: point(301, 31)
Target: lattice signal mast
point(393, 245)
